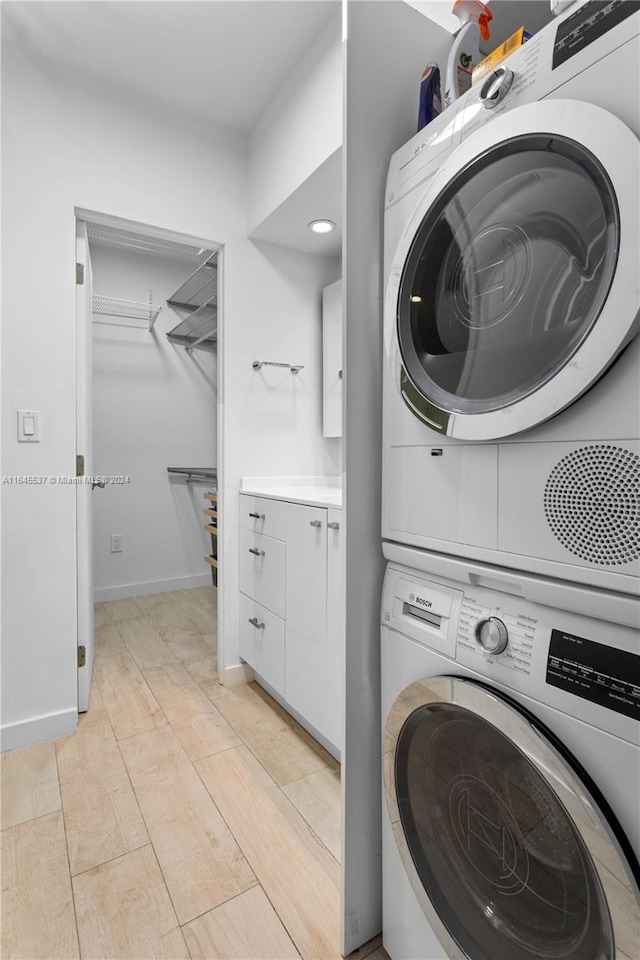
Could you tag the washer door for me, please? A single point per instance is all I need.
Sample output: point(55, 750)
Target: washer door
point(515, 284)
point(506, 850)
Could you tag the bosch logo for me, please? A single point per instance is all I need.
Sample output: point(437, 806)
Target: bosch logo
point(423, 602)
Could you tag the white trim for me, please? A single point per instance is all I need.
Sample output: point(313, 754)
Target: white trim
point(618, 150)
point(151, 586)
point(136, 226)
point(236, 676)
point(48, 726)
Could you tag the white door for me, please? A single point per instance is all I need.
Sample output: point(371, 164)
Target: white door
point(336, 629)
point(84, 520)
point(306, 605)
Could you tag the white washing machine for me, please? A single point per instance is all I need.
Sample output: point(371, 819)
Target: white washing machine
point(512, 367)
point(511, 814)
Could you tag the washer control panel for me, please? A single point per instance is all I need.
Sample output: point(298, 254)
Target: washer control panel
point(510, 630)
point(497, 634)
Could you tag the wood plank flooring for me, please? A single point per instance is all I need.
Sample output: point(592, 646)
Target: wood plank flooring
point(182, 819)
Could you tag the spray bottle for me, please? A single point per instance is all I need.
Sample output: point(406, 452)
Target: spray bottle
point(465, 52)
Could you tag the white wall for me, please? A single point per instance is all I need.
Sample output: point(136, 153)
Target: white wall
point(301, 128)
point(154, 406)
point(388, 46)
point(68, 145)
point(274, 425)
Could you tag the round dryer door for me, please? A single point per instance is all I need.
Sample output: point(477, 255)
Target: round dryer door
point(515, 284)
point(509, 854)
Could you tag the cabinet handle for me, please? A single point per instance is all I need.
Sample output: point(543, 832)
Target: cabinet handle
point(258, 516)
point(256, 623)
point(315, 523)
point(333, 525)
point(257, 553)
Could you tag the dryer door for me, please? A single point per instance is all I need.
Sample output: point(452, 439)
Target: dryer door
point(508, 852)
point(515, 284)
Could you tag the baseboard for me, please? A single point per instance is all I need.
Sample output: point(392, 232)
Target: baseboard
point(49, 726)
point(235, 676)
point(151, 586)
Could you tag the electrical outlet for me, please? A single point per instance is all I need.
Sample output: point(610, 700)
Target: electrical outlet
point(116, 543)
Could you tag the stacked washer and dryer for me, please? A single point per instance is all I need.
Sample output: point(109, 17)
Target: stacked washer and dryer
point(511, 510)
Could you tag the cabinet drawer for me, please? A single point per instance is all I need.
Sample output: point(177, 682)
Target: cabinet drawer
point(263, 516)
point(261, 642)
point(262, 570)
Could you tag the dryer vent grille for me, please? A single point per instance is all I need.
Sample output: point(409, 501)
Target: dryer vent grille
point(592, 504)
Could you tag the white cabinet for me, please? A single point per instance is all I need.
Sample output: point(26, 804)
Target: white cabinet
point(332, 360)
point(296, 582)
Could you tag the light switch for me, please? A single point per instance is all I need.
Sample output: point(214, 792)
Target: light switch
point(28, 426)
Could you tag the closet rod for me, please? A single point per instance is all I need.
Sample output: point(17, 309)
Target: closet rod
point(294, 367)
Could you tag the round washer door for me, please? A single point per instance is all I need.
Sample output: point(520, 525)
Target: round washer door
point(515, 283)
point(507, 851)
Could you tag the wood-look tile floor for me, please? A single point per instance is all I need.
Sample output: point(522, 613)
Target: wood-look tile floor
point(182, 819)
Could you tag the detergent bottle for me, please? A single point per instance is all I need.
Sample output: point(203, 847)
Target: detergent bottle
point(465, 52)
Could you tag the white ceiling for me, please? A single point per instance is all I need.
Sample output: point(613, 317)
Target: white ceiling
point(217, 61)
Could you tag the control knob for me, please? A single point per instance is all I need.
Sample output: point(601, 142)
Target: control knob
point(496, 87)
point(492, 635)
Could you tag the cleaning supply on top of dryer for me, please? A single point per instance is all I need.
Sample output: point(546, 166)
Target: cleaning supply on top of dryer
point(465, 52)
point(496, 56)
point(430, 100)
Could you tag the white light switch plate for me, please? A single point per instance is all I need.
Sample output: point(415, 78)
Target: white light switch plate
point(28, 426)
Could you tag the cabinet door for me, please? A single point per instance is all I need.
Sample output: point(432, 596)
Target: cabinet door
point(261, 642)
point(262, 570)
point(306, 599)
point(336, 628)
point(332, 360)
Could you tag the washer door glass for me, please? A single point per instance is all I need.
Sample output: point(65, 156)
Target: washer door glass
point(507, 274)
point(496, 851)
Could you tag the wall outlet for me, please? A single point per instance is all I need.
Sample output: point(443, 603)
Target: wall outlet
point(116, 543)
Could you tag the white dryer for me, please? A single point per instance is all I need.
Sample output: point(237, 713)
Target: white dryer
point(512, 365)
point(510, 709)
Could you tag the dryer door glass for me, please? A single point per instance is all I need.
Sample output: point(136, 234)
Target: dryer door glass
point(507, 274)
point(496, 851)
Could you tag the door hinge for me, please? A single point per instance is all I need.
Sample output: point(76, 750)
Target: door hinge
point(82, 656)
point(79, 465)
point(79, 273)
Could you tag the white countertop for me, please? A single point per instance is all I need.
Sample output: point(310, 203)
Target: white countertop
point(313, 491)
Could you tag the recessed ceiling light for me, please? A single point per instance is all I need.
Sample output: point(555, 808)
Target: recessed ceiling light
point(416, 299)
point(322, 226)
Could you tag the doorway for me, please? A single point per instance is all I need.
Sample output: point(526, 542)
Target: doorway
point(148, 380)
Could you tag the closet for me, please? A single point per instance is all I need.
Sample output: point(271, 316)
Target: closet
point(155, 317)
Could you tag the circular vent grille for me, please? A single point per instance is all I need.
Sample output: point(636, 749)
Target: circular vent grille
point(592, 504)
